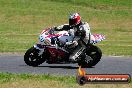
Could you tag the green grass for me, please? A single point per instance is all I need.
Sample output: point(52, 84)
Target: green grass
point(21, 21)
point(48, 81)
point(9, 77)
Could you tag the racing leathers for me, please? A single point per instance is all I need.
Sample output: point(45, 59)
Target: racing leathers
point(82, 30)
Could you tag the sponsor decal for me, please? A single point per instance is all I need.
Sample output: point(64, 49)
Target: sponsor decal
point(83, 78)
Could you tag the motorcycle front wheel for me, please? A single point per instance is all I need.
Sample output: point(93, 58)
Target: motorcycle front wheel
point(31, 57)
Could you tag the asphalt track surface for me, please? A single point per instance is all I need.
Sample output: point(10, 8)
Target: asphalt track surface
point(107, 65)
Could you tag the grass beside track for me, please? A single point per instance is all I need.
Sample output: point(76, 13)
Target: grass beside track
point(8, 80)
point(21, 21)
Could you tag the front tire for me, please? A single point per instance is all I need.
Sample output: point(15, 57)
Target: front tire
point(31, 57)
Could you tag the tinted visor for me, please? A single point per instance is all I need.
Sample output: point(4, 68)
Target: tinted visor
point(72, 22)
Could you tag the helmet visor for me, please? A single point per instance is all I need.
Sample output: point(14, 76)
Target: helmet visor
point(72, 22)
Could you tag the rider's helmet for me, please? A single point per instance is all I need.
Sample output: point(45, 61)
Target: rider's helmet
point(74, 19)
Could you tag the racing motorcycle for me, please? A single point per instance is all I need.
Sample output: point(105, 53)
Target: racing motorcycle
point(52, 50)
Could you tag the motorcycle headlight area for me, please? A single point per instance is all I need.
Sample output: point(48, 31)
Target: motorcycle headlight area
point(44, 41)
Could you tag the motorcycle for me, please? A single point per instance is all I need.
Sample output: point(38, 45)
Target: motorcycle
point(52, 50)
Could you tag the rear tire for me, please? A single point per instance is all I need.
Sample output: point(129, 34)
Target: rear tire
point(93, 56)
point(31, 57)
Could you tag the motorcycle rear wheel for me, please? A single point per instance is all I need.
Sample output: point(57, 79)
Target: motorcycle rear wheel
point(93, 56)
point(31, 57)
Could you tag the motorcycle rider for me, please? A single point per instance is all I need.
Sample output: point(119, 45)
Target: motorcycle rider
point(77, 29)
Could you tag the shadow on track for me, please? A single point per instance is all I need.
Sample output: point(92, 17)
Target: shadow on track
point(64, 67)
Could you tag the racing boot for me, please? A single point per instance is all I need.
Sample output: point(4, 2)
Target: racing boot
point(76, 53)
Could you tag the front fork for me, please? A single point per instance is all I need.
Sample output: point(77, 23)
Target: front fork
point(39, 48)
